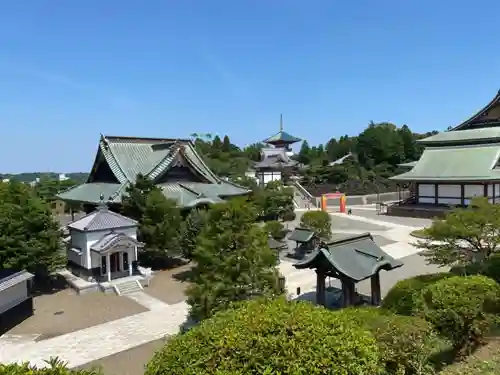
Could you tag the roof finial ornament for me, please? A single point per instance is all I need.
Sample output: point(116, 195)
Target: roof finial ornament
point(281, 122)
point(102, 204)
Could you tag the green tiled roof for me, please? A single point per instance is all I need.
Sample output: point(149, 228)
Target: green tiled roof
point(152, 157)
point(301, 235)
point(91, 193)
point(463, 136)
point(455, 163)
point(356, 257)
point(282, 137)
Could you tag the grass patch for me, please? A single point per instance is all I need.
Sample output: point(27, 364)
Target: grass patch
point(419, 233)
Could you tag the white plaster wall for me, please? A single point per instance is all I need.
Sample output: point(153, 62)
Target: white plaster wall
point(497, 190)
point(471, 191)
point(94, 259)
point(274, 176)
point(428, 191)
point(79, 241)
point(490, 190)
point(13, 296)
point(449, 194)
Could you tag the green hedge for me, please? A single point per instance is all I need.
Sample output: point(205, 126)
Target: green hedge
point(319, 222)
point(461, 308)
point(402, 297)
point(275, 229)
point(489, 267)
point(407, 344)
point(271, 337)
point(55, 367)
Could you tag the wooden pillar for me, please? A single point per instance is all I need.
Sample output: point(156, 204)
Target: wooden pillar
point(375, 289)
point(436, 193)
point(320, 288)
point(348, 292)
point(462, 194)
point(494, 192)
point(485, 190)
point(108, 266)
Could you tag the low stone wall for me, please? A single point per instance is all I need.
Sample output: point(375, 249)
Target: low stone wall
point(357, 200)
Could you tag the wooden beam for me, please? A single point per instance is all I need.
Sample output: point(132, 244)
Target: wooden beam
point(375, 289)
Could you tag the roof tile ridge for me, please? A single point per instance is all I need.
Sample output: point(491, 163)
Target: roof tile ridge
point(172, 153)
point(197, 155)
point(105, 144)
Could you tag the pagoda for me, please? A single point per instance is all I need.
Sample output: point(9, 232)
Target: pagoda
point(276, 162)
point(459, 164)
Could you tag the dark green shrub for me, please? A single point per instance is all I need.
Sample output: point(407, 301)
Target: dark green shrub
point(288, 216)
point(489, 267)
point(271, 337)
point(275, 229)
point(461, 308)
point(401, 298)
point(319, 222)
point(407, 344)
point(56, 367)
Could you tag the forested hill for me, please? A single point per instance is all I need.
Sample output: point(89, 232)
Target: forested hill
point(79, 177)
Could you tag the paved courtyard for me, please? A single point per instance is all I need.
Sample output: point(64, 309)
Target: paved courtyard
point(133, 339)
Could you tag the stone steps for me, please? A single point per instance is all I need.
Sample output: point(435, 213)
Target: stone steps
point(128, 287)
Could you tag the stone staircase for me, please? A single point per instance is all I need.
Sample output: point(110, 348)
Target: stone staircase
point(128, 287)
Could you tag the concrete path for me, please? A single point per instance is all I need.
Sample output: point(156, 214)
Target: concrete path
point(145, 300)
point(90, 344)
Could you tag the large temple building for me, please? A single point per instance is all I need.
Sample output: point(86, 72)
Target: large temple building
point(459, 164)
point(173, 165)
point(276, 159)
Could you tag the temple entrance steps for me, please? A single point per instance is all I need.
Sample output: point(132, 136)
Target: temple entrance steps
point(127, 287)
point(302, 198)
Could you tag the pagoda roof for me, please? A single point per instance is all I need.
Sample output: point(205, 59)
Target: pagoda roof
point(456, 163)
point(153, 158)
point(282, 137)
point(488, 116)
point(355, 257)
point(302, 235)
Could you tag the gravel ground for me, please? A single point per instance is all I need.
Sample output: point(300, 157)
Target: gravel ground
point(65, 311)
point(128, 362)
point(168, 286)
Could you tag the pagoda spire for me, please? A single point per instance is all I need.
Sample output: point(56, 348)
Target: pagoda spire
point(281, 122)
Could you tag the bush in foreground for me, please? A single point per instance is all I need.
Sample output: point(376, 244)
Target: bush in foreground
point(402, 297)
point(56, 367)
point(489, 267)
point(407, 344)
point(271, 337)
point(461, 308)
point(275, 229)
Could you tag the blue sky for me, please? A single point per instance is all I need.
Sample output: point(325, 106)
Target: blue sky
point(70, 70)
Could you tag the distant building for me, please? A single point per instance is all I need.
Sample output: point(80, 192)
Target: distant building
point(276, 162)
point(458, 165)
point(173, 164)
point(63, 177)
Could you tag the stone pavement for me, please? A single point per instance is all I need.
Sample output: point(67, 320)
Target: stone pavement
point(90, 344)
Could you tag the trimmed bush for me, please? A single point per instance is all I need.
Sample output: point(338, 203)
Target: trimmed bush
point(271, 337)
point(56, 367)
point(288, 216)
point(275, 229)
point(319, 222)
point(461, 308)
point(489, 268)
point(402, 297)
point(407, 344)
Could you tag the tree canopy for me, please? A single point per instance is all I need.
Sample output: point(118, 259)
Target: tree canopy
point(233, 261)
point(29, 237)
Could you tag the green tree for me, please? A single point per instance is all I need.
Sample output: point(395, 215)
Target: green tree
point(319, 222)
point(191, 228)
point(304, 156)
point(226, 144)
point(29, 237)
point(233, 261)
point(160, 226)
point(55, 367)
point(217, 143)
point(464, 236)
point(134, 201)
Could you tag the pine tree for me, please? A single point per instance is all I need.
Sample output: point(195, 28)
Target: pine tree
point(233, 260)
point(29, 236)
point(134, 201)
point(191, 228)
